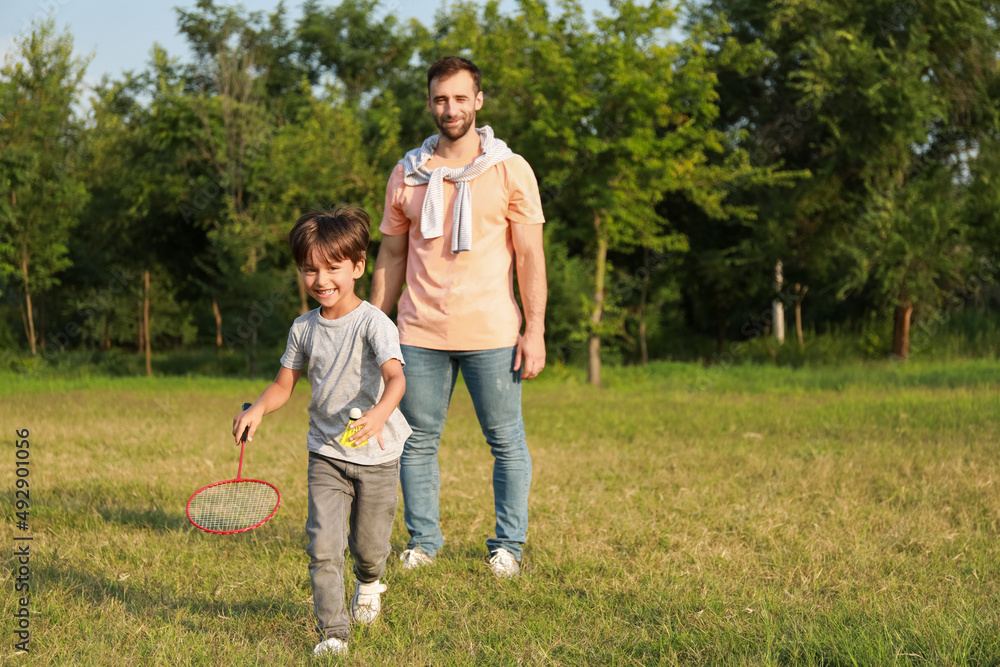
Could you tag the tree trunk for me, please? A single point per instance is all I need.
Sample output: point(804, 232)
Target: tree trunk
point(24, 318)
point(800, 294)
point(720, 335)
point(145, 324)
point(643, 295)
point(41, 321)
point(901, 330)
point(798, 323)
point(594, 343)
point(218, 323)
point(303, 297)
point(779, 307)
point(27, 302)
point(594, 360)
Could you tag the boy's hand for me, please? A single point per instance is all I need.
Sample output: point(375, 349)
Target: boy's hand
point(251, 417)
point(371, 424)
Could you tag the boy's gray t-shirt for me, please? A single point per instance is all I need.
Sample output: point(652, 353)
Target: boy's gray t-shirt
point(345, 358)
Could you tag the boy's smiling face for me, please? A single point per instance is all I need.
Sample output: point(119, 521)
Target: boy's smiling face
point(331, 283)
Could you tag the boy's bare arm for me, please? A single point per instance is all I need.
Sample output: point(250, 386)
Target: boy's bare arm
point(276, 395)
point(390, 272)
point(373, 421)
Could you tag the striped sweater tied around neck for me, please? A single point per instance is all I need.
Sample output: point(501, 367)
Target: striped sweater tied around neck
point(494, 151)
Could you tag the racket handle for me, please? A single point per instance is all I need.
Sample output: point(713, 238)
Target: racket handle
point(246, 431)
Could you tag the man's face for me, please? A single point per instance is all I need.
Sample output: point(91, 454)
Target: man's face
point(453, 101)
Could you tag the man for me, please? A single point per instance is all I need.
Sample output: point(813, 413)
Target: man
point(460, 212)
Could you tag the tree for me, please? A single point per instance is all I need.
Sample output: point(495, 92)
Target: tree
point(359, 44)
point(278, 63)
point(237, 119)
point(318, 161)
point(132, 228)
point(883, 102)
point(613, 118)
point(42, 191)
point(368, 63)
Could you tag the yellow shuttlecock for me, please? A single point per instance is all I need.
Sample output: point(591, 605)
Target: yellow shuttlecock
point(351, 430)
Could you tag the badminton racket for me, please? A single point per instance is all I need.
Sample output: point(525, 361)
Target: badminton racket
point(233, 505)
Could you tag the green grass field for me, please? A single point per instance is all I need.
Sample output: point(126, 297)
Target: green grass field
point(740, 516)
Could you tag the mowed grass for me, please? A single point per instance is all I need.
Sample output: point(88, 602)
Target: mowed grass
point(751, 516)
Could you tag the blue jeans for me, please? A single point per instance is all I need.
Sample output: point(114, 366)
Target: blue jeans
point(495, 389)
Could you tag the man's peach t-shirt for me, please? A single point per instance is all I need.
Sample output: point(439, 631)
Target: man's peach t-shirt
point(464, 301)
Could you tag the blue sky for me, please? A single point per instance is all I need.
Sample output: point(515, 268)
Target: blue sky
point(120, 33)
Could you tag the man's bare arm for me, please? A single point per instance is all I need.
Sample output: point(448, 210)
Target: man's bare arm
point(531, 279)
point(390, 272)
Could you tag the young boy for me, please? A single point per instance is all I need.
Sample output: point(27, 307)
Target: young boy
point(354, 359)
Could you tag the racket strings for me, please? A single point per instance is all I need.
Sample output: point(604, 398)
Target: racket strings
point(233, 506)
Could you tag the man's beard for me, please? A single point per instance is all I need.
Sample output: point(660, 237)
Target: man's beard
point(458, 132)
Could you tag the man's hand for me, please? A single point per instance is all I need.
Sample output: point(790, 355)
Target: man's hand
point(530, 357)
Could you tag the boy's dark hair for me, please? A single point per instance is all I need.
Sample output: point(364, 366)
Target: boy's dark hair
point(451, 65)
point(340, 233)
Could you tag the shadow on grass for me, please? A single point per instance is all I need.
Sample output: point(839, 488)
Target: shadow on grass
point(153, 519)
point(136, 507)
point(143, 600)
point(451, 551)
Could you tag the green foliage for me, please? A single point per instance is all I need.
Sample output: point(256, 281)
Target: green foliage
point(359, 42)
point(41, 187)
point(681, 151)
point(613, 117)
point(315, 162)
point(214, 31)
point(885, 105)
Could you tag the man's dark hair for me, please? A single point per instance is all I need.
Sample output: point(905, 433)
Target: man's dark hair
point(340, 233)
point(449, 65)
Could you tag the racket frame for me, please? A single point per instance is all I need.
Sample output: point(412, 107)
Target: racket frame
point(238, 479)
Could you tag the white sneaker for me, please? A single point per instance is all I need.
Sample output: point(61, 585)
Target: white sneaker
point(367, 604)
point(414, 558)
point(331, 646)
point(504, 565)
